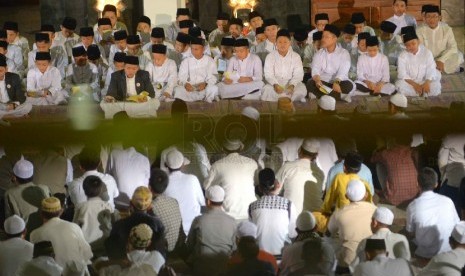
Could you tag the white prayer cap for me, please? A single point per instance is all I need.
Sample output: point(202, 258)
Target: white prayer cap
point(355, 190)
point(311, 145)
point(14, 225)
point(23, 169)
point(327, 103)
point(215, 193)
point(251, 112)
point(399, 100)
point(459, 232)
point(384, 215)
point(233, 145)
point(174, 159)
point(305, 221)
point(247, 229)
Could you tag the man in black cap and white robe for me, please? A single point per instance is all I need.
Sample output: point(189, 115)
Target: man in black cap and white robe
point(163, 73)
point(226, 53)
point(59, 58)
point(182, 49)
point(214, 38)
point(87, 38)
point(66, 37)
point(135, 49)
point(389, 45)
point(13, 52)
point(14, 38)
point(244, 75)
point(173, 29)
point(11, 96)
point(157, 36)
point(82, 73)
point(197, 76)
point(121, 45)
point(44, 82)
point(269, 45)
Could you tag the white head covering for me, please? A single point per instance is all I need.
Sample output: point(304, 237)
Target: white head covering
point(174, 159)
point(327, 103)
point(305, 221)
point(23, 168)
point(459, 232)
point(355, 190)
point(399, 100)
point(215, 193)
point(233, 145)
point(14, 225)
point(384, 215)
point(311, 145)
point(251, 112)
point(247, 229)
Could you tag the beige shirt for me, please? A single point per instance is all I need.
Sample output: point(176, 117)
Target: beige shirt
point(351, 224)
point(19, 203)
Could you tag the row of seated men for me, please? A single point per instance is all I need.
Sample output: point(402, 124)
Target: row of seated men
point(184, 66)
point(201, 212)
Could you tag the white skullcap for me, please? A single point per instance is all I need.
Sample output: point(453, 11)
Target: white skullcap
point(215, 193)
point(233, 145)
point(23, 168)
point(251, 112)
point(305, 221)
point(327, 103)
point(174, 159)
point(459, 232)
point(311, 145)
point(399, 100)
point(384, 215)
point(355, 190)
point(14, 225)
point(247, 229)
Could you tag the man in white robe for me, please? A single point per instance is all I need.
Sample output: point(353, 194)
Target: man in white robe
point(417, 73)
point(66, 37)
point(197, 76)
point(163, 73)
point(120, 46)
point(13, 52)
point(59, 58)
point(400, 18)
point(244, 75)
point(284, 72)
point(262, 49)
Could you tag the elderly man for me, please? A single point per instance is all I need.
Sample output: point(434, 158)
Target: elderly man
point(378, 263)
point(451, 262)
point(163, 73)
point(417, 74)
point(351, 224)
point(299, 178)
point(235, 174)
point(66, 237)
point(243, 77)
point(211, 238)
point(274, 215)
point(284, 72)
point(185, 188)
point(439, 39)
point(430, 217)
point(330, 68)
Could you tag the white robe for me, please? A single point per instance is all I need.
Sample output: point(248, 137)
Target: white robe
point(50, 80)
point(284, 71)
point(374, 69)
point(163, 78)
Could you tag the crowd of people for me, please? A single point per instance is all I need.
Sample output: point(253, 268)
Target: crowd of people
point(260, 62)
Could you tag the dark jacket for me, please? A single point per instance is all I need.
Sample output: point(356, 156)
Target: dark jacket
point(118, 89)
point(13, 87)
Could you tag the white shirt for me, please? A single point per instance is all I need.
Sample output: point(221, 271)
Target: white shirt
point(153, 258)
point(275, 219)
point(49, 80)
point(417, 67)
point(130, 169)
point(167, 74)
point(374, 69)
point(67, 240)
point(330, 66)
point(148, 46)
point(131, 86)
point(251, 66)
point(402, 21)
point(76, 191)
point(14, 53)
point(383, 266)
point(431, 217)
point(85, 215)
point(41, 264)
point(293, 177)
point(4, 98)
point(186, 189)
point(13, 253)
point(195, 71)
point(113, 50)
point(287, 70)
point(447, 263)
point(440, 41)
point(235, 174)
point(451, 160)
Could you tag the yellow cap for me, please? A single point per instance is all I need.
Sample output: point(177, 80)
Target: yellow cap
point(51, 205)
point(142, 198)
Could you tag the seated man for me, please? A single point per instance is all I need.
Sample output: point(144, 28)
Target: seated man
point(347, 37)
point(82, 73)
point(118, 64)
point(235, 28)
point(87, 38)
point(356, 52)
point(214, 38)
point(439, 39)
point(244, 75)
point(134, 49)
point(400, 18)
point(10, 63)
point(417, 74)
point(226, 53)
point(104, 35)
point(144, 27)
point(59, 58)
point(284, 72)
point(389, 45)
point(163, 73)
point(13, 52)
point(174, 28)
point(66, 36)
point(359, 21)
point(197, 76)
point(260, 35)
point(321, 20)
point(120, 46)
point(11, 97)
point(330, 68)
point(94, 57)
point(373, 70)
point(44, 82)
point(182, 49)
point(14, 38)
point(157, 36)
point(269, 45)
